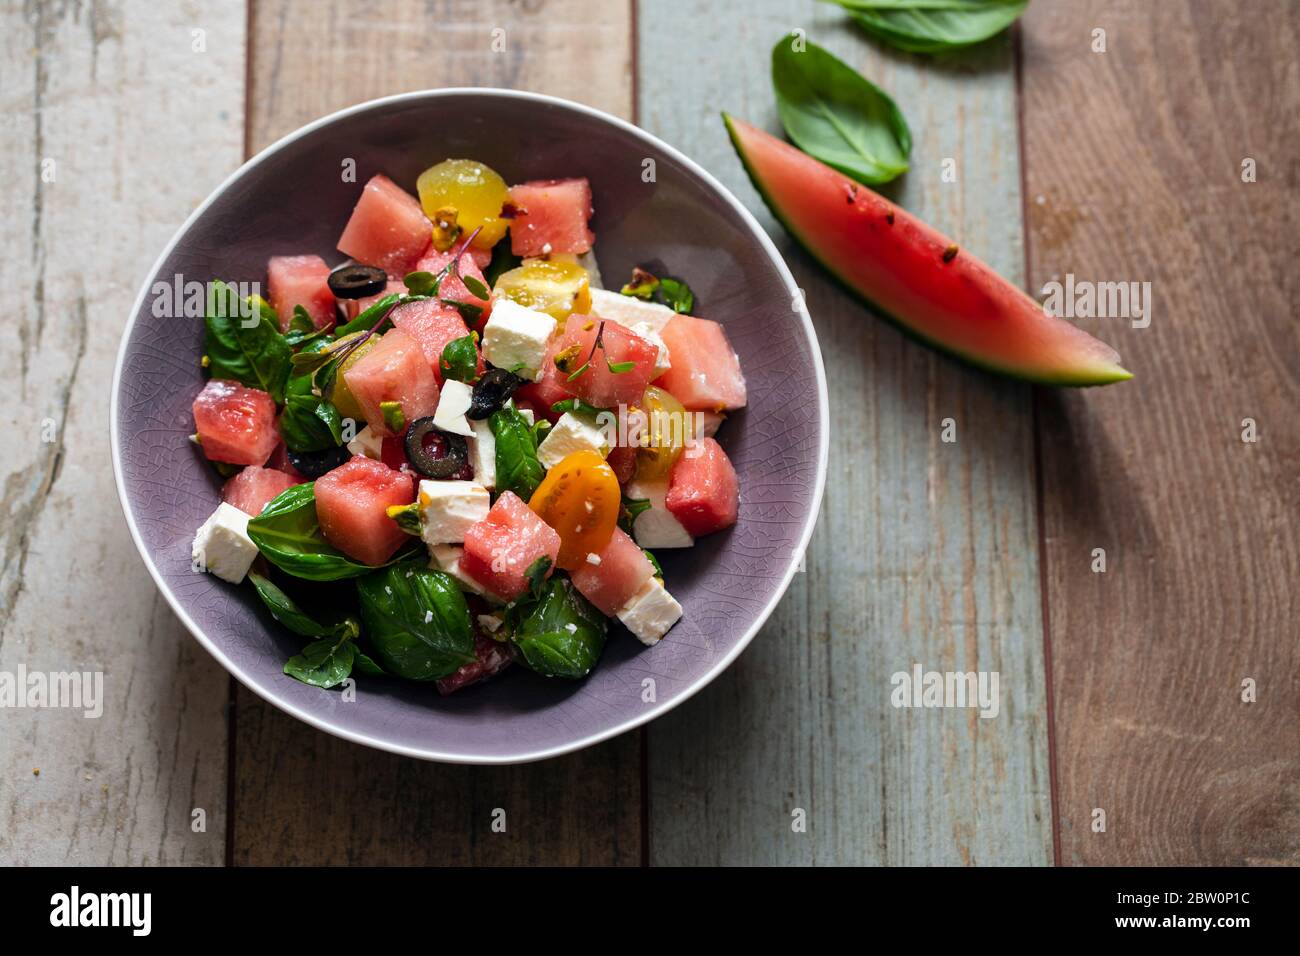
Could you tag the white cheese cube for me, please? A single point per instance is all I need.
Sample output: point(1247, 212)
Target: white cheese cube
point(593, 559)
point(446, 558)
point(490, 622)
point(222, 545)
point(453, 403)
point(663, 361)
point(368, 444)
point(483, 454)
point(588, 262)
point(528, 415)
point(571, 433)
point(650, 612)
point(629, 310)
point(656, 528)
point(449, 508)
point(515, 338)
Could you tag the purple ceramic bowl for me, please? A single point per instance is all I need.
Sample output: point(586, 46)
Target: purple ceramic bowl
point(291, 199)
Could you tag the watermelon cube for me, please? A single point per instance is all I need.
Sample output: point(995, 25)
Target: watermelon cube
point(453, 287)
point(354, 307)
point(622, 458)
point(616, 574)
point(304, 281)
point(235, 424)
point(551, 216)
point(492, 658)
point(501, 548)
point(387, 229)
point(352, 504)
point(703, 492)
point(598, 385)
point(395, 370)
point(279, 460)
point(552, 387)
point(705, 374)
point(433, 325)
point(253, 487)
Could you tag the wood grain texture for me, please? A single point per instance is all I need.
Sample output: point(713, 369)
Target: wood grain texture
point(301, 796)
point(926, 551)
point(1134, 173)
point(139, 125)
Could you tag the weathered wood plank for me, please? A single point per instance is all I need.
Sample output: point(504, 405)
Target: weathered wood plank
point(304, 797)
point(1136, 176)
point(926, 552)
point(115, 127)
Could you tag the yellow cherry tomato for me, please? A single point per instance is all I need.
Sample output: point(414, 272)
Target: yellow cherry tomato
point(339, 393)
point(556, 286)
point(475, 191)
point(666, 427)
point(580, 499)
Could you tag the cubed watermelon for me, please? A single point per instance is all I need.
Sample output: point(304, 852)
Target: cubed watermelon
point(235, 424)
point(354, 307)
point(433, 325)
point(703, 492)
point(621, 569)
point(705, 375)
point(253, 487)
point(452, 287)
point(395, 370)
point(598, 385)
point(551, 388)
point(304, 281)
point(279, 460)
point(501, 548)
point(351, 506)
point(622, 458)
point(388, 229)
point(492, 658)
point(551, 215)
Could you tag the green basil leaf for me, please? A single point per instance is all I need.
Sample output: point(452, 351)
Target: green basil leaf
point(631, 508)
point(246, 348)
point(470, 312)
point(676, 294)
point(309, 423)
point(518, 468)
point(536, 575)
point(929, 26)
point(324, 663)
point(286, 611)
point(835, 115)
point(460, 359)
point(576, 405)
point(301, 321)
point(366, 665)
point(654, 563)
point(288, 535)
point(477, 289)
point(370, 316)
point(416, 620)
point(559, 633)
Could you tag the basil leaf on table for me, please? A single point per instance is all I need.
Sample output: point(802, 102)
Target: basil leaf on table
point(518, 468)
point(930, 26)
point(837, 116)
point(245, 348)
point(286, 611)
point(416, 620)
point(324, 663)
point(559, 633)
point(289, 536)
point(309, 423)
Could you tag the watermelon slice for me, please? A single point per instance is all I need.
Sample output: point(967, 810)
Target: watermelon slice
point(942, 294)
point(618, 574)
point(598, 385)
point(492, 658)
point(433, 325)
point(395, 370)
point(703, 492)
point(551, 216)
point(351, 506)
point(354, 307)
point(253, 487)
point(705, 374)
point(235, 424)
point(304, 281)
point(387, 229)
point(452, 287)
point(501, 548)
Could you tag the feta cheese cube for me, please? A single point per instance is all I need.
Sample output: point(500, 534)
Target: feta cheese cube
point(656, 527)
point(571, 433)
point(528, 415)
point(368, 444)
point(588, 262)
point(650, 612)
point(490, 622)
point(449, 508)
point(629, 310)
point(483, 454)
point(515, 338)
point(453, 403)
point(222, 545)
point(662, 360)
point(446, 558)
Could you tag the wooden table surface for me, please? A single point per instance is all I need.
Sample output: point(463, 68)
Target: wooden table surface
point(1122, 689)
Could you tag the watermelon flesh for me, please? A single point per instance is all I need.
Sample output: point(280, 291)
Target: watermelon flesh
point(395, 370)
point(598, 385)
point(453, 287)
point(354, 307)
point(304, 281)
point(351, 506)
point(387, 229)
point(551, 388)
point(914, 274)
point(491, 658)
point(433, 325)
point(253, 487)
point(500, 549)
point(235, 424)
point(551, 216)
point(705, 374)
point(279, 460)
point(703, 491)
point(622, 569)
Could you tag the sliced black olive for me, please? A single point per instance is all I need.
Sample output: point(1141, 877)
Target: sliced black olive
point(313, 464)
point(491, 392)
point(355, 281)
point(434, 452)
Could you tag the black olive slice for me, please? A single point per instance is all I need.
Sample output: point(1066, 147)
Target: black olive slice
point(355, 281)
point(491, 392)
point(313, 464)
point(425, 460)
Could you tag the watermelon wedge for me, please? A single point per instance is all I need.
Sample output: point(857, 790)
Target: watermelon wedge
point(915, 275)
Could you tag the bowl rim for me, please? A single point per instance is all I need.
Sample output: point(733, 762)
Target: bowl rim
point(660, 708)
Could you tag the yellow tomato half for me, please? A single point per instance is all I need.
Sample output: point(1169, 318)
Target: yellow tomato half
point(667, 427)
point(475, 191)
point(580, 499)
